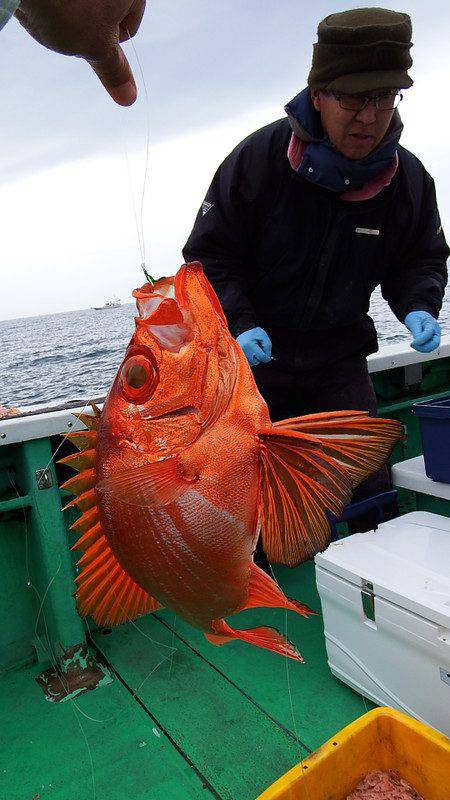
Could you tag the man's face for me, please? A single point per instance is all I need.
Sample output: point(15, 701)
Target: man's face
point(354, 133)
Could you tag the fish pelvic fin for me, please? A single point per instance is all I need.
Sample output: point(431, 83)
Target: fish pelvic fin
point(264, 592)
point(300, 483)
point(265, 637)
point(359, 443)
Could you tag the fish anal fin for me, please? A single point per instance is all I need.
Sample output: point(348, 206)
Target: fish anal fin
point(300, 483)
point(265, 637)
point(264, 592)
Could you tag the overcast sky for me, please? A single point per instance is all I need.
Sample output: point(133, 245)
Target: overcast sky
point(214, 71)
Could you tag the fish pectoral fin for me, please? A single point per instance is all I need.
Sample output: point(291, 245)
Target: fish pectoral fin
point(265, 637)
point(300, 483)
point(264, 592)
point(361, 444)
point(156, 484)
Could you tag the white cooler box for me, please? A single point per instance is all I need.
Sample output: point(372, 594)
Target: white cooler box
point(386, 606)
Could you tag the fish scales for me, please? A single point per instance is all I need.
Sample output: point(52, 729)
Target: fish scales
point(187, 470)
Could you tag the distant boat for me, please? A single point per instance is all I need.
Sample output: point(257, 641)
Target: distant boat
point(108, 304)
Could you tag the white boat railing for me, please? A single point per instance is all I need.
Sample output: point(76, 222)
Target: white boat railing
point(51, 422)
point(402, 355)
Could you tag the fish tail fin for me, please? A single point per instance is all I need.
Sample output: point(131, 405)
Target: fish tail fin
point(265, 637)
point(264, 592)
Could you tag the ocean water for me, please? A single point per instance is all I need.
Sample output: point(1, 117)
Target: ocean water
point(50, 360)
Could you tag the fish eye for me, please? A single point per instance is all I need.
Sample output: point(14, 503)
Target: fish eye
point(135, 376)
point(139, 378)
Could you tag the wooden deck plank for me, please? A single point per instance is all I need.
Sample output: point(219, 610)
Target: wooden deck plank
point(46, 748)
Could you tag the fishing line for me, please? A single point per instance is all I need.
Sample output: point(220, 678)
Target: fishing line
point(171, 655)
point(139, 222)
point(288, 682)
point(47, 645)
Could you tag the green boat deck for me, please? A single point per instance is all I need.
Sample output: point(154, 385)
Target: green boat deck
point(173, 717)
point(182, 718)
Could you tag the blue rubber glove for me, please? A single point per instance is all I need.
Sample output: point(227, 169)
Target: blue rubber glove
point(256, 345)
point(425, 330)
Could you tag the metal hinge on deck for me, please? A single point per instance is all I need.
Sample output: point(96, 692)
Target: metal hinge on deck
point(44, 478)
point(413, 374)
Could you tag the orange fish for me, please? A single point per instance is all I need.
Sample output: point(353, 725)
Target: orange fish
point(183, 468)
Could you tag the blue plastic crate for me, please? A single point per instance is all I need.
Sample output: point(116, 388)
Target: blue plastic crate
point(434, 422)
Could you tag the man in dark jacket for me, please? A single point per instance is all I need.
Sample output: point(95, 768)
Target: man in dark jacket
point(309, 214)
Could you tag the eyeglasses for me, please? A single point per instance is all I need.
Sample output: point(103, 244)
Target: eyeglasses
point(357, 102)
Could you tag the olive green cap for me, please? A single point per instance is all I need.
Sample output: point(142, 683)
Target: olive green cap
point(361, 50)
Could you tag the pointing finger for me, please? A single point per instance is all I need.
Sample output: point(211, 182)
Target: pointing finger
point(115, 73)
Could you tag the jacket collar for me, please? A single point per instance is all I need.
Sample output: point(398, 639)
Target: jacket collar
point(306, 123)
point(322, 164)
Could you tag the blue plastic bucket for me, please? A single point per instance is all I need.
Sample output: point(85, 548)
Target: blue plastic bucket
point(434, 422)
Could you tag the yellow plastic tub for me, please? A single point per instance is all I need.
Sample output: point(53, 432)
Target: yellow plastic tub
point(382, 739)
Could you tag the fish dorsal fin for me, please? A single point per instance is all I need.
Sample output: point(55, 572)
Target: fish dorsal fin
point(104, 588)
point(83, 440)
point(80, 461)
point(83, 501)
point(80, 483)
point(90, 420)
point(299, 484)
point(361, 444)
point(86, 521)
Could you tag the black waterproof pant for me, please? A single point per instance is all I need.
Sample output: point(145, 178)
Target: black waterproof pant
point(344, 385)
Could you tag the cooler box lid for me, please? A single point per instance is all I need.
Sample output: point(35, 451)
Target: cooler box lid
point(407, 560)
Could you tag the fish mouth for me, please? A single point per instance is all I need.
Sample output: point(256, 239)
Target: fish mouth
point(161, 315)
point(176, 412)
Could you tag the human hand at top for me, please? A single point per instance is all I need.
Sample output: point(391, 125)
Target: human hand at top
point(425, 329)
point(89, 29)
